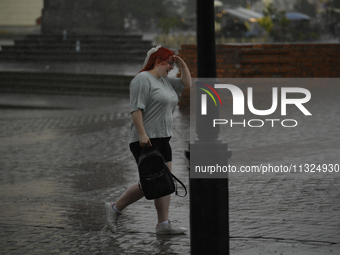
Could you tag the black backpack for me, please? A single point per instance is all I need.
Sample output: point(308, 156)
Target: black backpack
point(155, 178)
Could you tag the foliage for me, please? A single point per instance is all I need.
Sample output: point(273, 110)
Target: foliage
point(279, 28)
point(148, 15)
point(167, 23)
point(266, 23)
point(275, 23)
point(142, 13)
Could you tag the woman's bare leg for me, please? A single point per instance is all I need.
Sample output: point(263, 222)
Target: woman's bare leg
point(130, 196)
point(162, 205)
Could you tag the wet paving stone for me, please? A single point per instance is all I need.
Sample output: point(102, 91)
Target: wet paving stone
point(59, 167)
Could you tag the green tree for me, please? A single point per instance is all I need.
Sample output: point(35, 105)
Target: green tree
point(301, 29)
point(166, 23)
point(275, 23)
point(153, 13)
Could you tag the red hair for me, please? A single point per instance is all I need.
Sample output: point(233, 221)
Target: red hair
point(162, 54)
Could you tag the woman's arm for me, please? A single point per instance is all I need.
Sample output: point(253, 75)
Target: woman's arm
point(137, 119)
point(185, 73)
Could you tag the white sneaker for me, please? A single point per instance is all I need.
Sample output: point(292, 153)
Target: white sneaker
point(111, 217)
point(169, 229)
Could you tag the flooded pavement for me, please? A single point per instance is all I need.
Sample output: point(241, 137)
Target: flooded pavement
point(295, 211)
point(63, 157)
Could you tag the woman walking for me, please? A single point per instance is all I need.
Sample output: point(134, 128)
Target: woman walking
point(153, 98)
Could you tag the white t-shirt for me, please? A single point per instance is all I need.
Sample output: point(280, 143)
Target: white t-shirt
point(157, 99)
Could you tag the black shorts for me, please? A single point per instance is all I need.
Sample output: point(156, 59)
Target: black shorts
point(161, 144)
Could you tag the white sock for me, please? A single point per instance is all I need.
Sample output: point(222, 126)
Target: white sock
point(163, 223)
point(115, 209)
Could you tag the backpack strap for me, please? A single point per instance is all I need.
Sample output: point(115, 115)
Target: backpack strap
point(177, 180)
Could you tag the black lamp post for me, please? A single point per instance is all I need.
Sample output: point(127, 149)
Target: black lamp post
point(209, 210)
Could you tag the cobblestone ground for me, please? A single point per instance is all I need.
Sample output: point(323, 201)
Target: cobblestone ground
point(59, 167)
point(63, 157)
point(298, 211)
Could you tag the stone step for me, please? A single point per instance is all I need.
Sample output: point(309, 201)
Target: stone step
point(105, 40)
point(37, 76)
point(105, 48)
point(85, 37)
point(120, 40)
point(84, 48)
point(92, 52)
point(70, 56)
point(89, 44)
point(64, 90)
point(64, 83)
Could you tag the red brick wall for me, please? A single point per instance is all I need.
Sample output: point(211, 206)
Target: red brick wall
point(269, 60)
